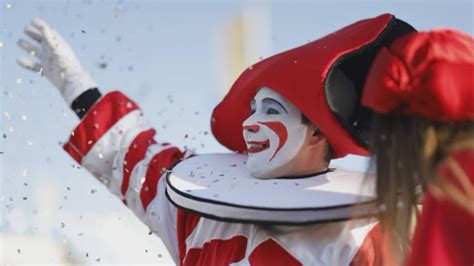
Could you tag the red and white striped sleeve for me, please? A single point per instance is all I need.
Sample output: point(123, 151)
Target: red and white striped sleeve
point(113, 143)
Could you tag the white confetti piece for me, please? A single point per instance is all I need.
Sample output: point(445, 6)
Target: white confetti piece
point(7, 115)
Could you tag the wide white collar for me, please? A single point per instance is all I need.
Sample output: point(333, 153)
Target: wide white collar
point(219, 186)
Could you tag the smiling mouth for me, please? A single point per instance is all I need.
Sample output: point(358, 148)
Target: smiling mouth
point(257, 146)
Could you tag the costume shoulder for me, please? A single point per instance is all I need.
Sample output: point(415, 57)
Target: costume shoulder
point(219, 186)
point(446, 220)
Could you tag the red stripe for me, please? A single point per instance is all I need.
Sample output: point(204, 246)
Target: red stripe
point(186, 222)
point(102, 116)
point(160, 162)
point(219, 252)
point(69, 148)
point(271, 253)
point(135, 153)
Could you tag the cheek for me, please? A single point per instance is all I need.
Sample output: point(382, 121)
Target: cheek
point(281, 131)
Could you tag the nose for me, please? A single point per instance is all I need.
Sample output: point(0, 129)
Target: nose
point(252, 128)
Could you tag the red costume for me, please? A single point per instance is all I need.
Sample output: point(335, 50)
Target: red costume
point(446, 226)
point(431, 74)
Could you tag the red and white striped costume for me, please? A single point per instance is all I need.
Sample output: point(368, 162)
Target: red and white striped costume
point(113, 143)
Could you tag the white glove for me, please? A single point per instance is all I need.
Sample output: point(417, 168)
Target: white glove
point(57, 61)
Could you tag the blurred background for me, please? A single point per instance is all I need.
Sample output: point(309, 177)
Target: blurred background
point(177, 59)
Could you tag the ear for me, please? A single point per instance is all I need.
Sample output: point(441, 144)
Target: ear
point(316, 136)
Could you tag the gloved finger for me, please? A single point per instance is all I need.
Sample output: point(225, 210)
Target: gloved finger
point(33, 33)
point(47, 32)
point(27, 46)
point(29, 64)
point(39, 23)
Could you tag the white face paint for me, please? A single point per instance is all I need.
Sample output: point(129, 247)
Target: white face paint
point(274, 133)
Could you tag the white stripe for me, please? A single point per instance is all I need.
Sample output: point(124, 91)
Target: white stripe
point(118, 169)
point(101, 160)
point(161, 215)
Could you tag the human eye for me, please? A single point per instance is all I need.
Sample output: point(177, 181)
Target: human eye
point(272, 107)
point(272, 111)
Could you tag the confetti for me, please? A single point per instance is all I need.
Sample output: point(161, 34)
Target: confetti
point(9, 5)
point(7, 115)
point(102, 65)
point(18, 81)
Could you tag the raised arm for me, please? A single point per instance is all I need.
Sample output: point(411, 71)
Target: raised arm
point(111, 141)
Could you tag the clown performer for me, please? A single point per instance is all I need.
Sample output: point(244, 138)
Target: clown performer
point(274, 201)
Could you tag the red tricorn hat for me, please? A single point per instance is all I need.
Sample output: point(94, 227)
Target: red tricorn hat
point(307, 77)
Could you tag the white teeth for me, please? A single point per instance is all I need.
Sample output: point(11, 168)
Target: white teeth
point(256, 146)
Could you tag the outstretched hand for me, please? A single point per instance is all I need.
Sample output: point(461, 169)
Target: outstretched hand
point(56, 60)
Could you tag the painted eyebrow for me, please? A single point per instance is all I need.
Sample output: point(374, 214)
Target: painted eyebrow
point(270, 100)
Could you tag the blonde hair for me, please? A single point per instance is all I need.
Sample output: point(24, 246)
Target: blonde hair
point(408, 151)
